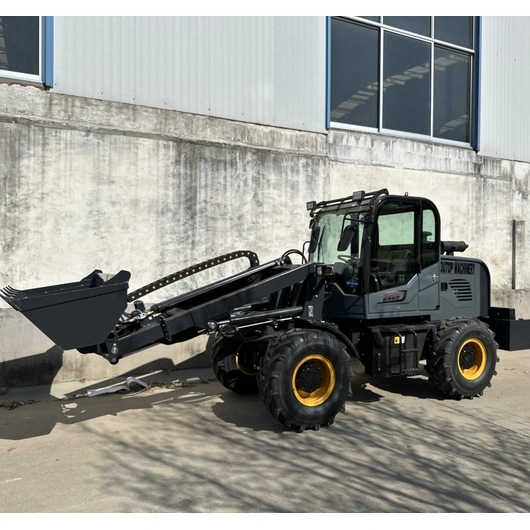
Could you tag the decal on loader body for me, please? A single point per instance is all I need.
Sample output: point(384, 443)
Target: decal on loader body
point(398, 296)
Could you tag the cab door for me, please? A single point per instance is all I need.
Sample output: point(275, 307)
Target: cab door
point(404, 267)
point(394, 258)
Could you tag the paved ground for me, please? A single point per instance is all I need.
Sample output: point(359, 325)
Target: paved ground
point(200, 448)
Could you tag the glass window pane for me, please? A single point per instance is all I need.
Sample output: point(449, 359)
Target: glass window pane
point(452, 74)
point(396, 229)
point(19, 44)
point(420, 25)
point(373, 19)
point(429, 248)
point(393, 248)
point(456, 30)
point(406, 84)
point(354, 73)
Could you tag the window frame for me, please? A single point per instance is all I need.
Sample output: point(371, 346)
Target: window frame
point(433, 43)
point(45, 75)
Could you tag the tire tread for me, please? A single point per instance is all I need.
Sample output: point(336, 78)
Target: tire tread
point(438, 365)
point(270, 372)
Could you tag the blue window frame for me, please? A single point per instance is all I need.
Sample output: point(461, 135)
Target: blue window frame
point(412, 76)
point(26, 49)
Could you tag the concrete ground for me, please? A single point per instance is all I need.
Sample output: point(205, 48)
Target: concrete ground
point(197, 447)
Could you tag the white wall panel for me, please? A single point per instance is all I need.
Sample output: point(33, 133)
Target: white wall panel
point(268, 70)
point(505, 92)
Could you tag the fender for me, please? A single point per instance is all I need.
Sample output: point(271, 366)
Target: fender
point(330, 328)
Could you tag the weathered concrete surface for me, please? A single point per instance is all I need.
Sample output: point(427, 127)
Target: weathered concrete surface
point(397, 448)
point(88, 184)
point(48, 363)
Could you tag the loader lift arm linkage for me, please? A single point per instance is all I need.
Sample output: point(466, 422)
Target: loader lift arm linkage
point(66, 313)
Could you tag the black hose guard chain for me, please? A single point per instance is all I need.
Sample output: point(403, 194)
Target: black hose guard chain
point(190, 271)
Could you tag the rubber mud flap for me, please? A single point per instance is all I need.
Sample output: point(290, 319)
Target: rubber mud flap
point(74, 315)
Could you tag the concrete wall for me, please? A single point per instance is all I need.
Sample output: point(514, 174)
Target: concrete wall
point(88, 184)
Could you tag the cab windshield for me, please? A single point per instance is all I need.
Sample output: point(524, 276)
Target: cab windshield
point(339, 242)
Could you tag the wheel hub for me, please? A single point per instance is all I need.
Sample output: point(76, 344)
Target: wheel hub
point(309, 378)
point(472, 359)
point(246, 359)
point(468, 358)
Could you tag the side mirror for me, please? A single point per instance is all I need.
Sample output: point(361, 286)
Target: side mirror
point(315, 233)
point(346, 238)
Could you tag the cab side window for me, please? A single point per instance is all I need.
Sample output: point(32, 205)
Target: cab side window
point(429, 246)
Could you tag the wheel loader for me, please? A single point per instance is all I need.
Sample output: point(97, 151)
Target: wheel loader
point(374, 283)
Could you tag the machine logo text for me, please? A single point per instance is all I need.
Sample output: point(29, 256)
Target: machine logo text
point(457, 267)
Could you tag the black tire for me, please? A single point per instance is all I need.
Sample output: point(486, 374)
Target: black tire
point(463, 358)
point(305, 378)
point(233, 362)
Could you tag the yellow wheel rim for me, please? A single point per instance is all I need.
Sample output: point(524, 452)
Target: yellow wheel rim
point(472, 359)
point(313, 380)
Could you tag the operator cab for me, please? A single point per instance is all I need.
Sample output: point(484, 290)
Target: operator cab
point(381, 245)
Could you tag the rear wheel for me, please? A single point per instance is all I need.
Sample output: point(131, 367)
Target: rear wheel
point(304, 379)
point(235, 363)
point(463, 359)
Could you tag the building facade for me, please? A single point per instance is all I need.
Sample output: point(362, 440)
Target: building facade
point(151, 143)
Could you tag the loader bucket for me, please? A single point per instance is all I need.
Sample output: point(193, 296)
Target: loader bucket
point(74, 315)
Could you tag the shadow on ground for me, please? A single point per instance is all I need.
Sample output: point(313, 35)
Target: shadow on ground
point(365, 387)
point(242, 411)
point(77, 406)
point(247, 412)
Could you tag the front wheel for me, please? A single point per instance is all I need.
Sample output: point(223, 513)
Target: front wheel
point(235, 362)
point(463, 359)
point(305, 378)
